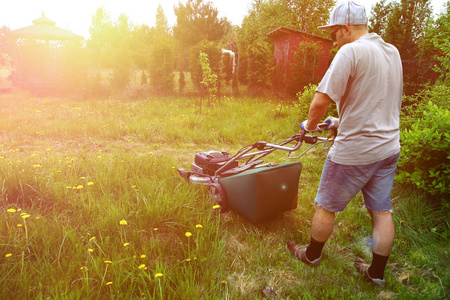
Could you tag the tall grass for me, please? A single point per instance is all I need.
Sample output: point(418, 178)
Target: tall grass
point(92, 208)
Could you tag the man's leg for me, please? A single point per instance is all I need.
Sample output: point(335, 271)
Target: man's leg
point(383, 232)
point(322, 224)
point(321, 229)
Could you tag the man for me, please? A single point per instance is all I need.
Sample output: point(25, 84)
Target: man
point(365, 81)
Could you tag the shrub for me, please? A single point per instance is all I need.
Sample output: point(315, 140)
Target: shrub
point(414, 105)
point(425, 160)
point(304, 101)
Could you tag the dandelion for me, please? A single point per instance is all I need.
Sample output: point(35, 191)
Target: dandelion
point(109, 283)
point(188, 234)
point(11, 210)
point(82, 178)
point(141, 267)
point(108, 262)
point(126, 244)
point(91, 239)
point(159, 275)
point(90, 183)
point(37, 218)
point(199, 226)
point(123, 223)
point(19, 225)
point(25, 216)
point(143, 256)
point(8, 255)
point(155, 229)
point(68, 187)
point(83, 268)
point(216, 206)
point(90, 250)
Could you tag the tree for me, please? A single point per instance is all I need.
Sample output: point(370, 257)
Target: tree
point(440, 36)
point(404, 25)
point(378, 21)
point(212, 51)
point(162, 56)
point(307, 15)
point(256, 50)
point(306, 62)
point(196, 21)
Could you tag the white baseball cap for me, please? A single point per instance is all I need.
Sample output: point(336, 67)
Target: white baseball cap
point(348, 13)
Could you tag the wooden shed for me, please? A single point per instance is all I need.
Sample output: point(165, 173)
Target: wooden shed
point(287, 41)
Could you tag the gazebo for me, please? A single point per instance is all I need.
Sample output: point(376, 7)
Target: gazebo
point(38, 54)
point(44, 29)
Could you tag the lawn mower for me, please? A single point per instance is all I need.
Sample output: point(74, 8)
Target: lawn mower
point(246, 184)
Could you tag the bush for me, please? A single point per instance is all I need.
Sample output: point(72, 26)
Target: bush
point(413, 106)
point(304, 101)
point(425, 160)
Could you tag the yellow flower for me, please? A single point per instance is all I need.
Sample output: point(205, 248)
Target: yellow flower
point(216, 206)
point(11, 210)
point(155, 229)
point(90, 250)
point(199, 226)
point(188, 234)
point(126, 244)
point(123, 222)
point(90, 183)
point(19, 225)
point(159, 275)
point(141, 267)
point(109, 283)
point(83, 268)
point(8, 255)
point(143, 256)
point(79, 187)
point(91, 239)
point(82, 178)
point(108, 262)
point(25, 216)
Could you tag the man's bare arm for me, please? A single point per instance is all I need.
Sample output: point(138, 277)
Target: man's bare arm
point(317, 110)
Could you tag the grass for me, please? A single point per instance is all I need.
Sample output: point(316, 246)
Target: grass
point(109, 216)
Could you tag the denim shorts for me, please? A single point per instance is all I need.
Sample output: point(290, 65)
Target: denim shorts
point(340, 183)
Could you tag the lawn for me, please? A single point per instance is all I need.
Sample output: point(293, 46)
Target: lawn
point(92, 208)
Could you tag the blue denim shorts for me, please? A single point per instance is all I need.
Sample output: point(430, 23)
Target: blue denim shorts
point(340, 183)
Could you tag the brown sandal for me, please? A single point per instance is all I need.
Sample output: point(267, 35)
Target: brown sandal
point(299, 252)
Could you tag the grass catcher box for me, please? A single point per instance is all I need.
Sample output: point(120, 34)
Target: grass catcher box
point(263, 193)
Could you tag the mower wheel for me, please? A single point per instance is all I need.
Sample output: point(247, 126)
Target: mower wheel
point(218, 197)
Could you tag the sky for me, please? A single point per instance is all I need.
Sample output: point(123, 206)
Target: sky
point(76, 15)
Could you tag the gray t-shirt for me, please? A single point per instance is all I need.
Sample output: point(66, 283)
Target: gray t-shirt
point(365, 80)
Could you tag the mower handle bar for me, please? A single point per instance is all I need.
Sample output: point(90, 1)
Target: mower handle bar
point(267, 148)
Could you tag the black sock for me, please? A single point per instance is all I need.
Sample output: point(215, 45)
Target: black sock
point(376, 269)
point(314, 249)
